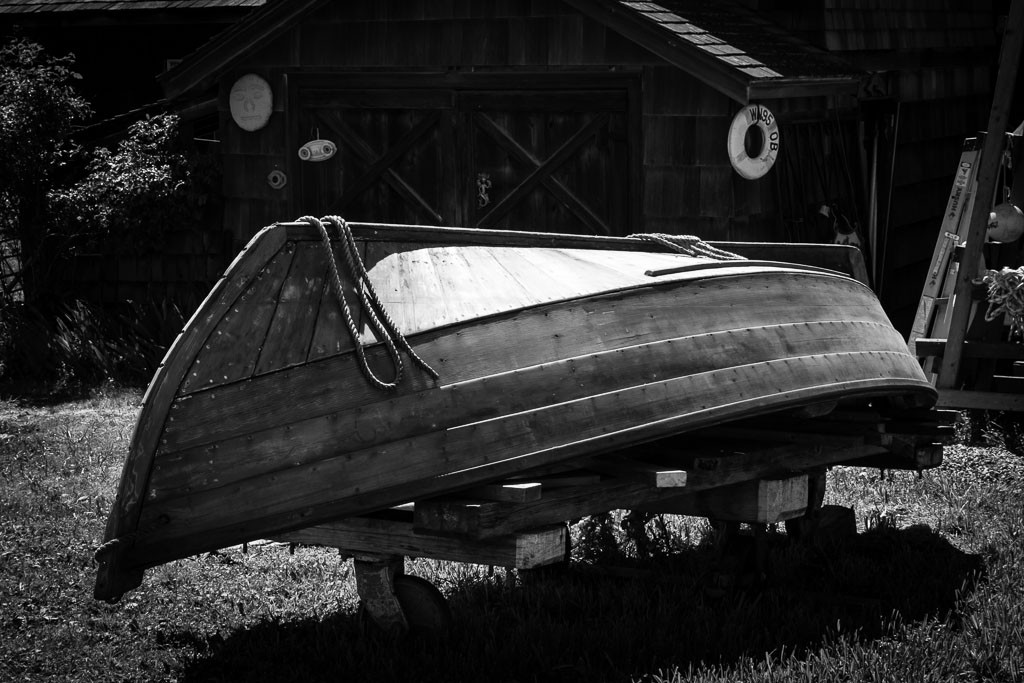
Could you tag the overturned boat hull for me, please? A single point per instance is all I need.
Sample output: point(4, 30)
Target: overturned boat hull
point(547, 348)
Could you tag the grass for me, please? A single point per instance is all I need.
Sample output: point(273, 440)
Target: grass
point(932, 588)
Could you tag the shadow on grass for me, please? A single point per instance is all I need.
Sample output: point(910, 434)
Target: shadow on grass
point(594, 623)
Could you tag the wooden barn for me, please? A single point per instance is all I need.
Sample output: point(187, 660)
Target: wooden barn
point(592, 116)
point(584, 116)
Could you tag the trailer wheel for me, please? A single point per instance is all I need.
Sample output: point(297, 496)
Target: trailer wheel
point(425, 609)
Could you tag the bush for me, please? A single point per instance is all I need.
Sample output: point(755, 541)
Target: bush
point(39, 109)
point(58, 200)
point(130, 198)
point(79, 345)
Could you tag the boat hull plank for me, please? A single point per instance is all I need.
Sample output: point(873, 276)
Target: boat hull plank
point(331, 335)
point(548, 334)
point(291, 330)
point(429, 464)
point(303, 439)
point(115, 575)
point(232, 349)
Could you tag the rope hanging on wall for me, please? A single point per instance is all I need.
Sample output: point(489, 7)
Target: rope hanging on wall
point(690, 245)
point(383, 326)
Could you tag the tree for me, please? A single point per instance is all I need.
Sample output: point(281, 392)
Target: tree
point(39, 109)
point(59, 200)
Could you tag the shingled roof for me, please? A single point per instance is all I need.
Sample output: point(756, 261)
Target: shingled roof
point(728, 46)
point(725, 45)
point(40, 7)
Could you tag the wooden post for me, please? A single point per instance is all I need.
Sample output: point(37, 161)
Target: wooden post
point(991, 155)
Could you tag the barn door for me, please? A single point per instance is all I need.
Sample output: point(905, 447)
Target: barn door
point(544, 160)
point(548, 161)
point(393, 161)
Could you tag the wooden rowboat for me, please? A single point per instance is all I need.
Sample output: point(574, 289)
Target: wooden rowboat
point(262, 419)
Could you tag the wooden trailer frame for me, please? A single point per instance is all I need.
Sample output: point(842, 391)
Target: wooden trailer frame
point(760, 471)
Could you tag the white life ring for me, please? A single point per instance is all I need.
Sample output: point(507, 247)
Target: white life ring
point(753, 167)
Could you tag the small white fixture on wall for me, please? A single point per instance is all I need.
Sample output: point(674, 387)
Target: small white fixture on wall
point(317, 150)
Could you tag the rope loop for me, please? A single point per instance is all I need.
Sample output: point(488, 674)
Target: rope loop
point(110, 545)
point(131, 536)
point(690, 245)
point(383, 326)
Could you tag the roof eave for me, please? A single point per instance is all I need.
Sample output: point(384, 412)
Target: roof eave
point(779, 88)
point(731, 81)
point(200, 71)
point(716, 74)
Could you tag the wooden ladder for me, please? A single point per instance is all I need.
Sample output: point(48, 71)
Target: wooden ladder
point(932, 319)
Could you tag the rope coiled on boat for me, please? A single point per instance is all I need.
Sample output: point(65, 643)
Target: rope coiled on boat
point(382, 324)
point(690, 245)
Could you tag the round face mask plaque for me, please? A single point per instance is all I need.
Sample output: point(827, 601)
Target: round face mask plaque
point(251, 102)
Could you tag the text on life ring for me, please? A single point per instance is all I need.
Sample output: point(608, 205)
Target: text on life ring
point(753, 163)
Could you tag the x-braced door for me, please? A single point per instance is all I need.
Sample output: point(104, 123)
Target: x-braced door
point(393, 161)
point(548, 161)
point(541, 160)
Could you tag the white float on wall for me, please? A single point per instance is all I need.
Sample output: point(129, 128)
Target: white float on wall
point(753, 166)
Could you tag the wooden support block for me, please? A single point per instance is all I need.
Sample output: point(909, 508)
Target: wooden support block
point(511, 492)
point(525, 550)
point(761, 501)
point(643, 472)
point(713, 471)
point(455, 516)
